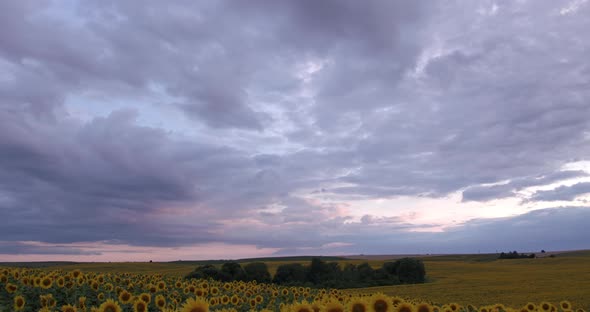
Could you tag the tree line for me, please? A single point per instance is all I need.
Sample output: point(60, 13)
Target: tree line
point(318, 273)
point(515, 255)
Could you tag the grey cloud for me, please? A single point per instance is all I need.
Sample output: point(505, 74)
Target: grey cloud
point(106, 179)
point(408, 98)
point(532, 231)
point(485, 193)
point(564, 193)
point(19, 248)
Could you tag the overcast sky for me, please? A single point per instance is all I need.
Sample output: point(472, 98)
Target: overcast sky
point(165, 130)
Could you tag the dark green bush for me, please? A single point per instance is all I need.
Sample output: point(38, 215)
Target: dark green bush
point(319, 273)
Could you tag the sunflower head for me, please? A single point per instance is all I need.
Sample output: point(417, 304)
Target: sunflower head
point(358, 305)
point(405, 307)
point(565, 305)
point(160, 301)
point(109, 306)
point(19, 303)
point(545, 306)
point(140, 306)
point(10, 288)
point(195, 305)
point(424, 307)
point(161, 285)
point(381, 303)
point(46, 282)
point(333, 306)
point(145, 297)
point(302, 307)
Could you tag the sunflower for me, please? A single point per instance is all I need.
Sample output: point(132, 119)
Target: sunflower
point(258, 299)
point(565, 305)
point(61, 282)
point(195, 305)
point(46, 282)
point(424, 307)
point(109, 306)
point(214, 291)
point(75, 273)
point(68, 308)
point(161, 285)
point(545, 306)
point(455, 307)
point(396, 300)
point(125, 297)
point(235, 300)
point(252, 302)
point(405, 307)
point(19, 303)
point(94, 285)
point(358, 304)
point(225, 299)
point(302, 307)
point(333, 306)
point(381, 303)
point(82, 303)
point(100, 296)
point(140, 306)
point(50, 301)
point(530, 306)
point(109, 287)
point(316, 305)
point(10, 288)
point(145, 297)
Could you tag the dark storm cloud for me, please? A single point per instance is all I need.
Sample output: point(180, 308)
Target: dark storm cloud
point(565, 193)
point(17, 248)
point(357, 99)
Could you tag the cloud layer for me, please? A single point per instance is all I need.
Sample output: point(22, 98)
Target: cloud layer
point(156, 124)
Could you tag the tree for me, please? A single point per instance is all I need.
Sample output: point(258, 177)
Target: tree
point(293, 273)
point(257, 271)
point(234, 270)
point(208, 271)
point(366, 274)
point(411, 271)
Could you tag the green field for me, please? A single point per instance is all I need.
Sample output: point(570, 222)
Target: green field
point(464, 279)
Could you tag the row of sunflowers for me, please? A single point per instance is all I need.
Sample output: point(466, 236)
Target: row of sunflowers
point(75, 291)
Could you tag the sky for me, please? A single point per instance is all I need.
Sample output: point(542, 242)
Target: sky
point(176, 130)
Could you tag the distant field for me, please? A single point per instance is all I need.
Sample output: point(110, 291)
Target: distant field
point(465, 279)
point(512, 282)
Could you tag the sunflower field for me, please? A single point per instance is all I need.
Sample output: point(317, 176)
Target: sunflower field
point(70, 291)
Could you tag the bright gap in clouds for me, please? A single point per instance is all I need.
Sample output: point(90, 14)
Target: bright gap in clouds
point(437, 214)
